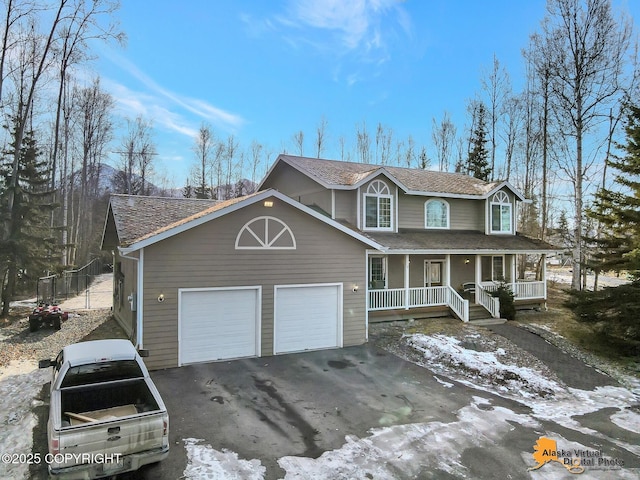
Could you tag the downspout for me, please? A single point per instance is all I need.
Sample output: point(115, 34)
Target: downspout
point(139, 304)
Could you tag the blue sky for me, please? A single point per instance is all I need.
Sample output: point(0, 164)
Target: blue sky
point(263, 70)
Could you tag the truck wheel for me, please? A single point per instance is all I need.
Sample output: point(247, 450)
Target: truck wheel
point(34, 324)
point(56, 322)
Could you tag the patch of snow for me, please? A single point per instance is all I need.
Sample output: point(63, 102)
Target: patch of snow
point(17, 367)
point(446, 352)
point(627, 420)
point(411, 449)
point(17, 399)
point(203, 461)
point(442, 382)
point(561, 407)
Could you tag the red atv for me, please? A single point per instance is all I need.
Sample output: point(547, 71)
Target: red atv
point(50, 315)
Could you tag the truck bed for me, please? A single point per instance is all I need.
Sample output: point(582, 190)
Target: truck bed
point(99, 402)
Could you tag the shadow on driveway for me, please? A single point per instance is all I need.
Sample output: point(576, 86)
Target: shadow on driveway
point(300, 404)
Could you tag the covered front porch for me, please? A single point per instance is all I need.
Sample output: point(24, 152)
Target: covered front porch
point(407, 284)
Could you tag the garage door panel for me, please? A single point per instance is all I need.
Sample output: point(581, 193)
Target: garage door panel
point(218, 324)
point(307, 318)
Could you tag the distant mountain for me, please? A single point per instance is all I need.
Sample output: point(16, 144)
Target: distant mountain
point(109, 181)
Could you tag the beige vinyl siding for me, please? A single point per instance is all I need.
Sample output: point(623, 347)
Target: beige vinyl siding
point(289, 181)
point(205, 257)
point(462, 272)
point(321, 199)
point(346, 205)
point(121, 306)
point(464, 214)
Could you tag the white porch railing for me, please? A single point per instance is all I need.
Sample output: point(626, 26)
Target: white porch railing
point(386, 299)
point(427, 296)
point(396, 298)
point(521, 290)
point(526, 290)
point(484, 298)
point(459, 305)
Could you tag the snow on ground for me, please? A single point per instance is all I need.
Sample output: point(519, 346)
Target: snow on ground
point(413, 448)
point(430, 446)
point(206, 462)
point(17, 398)
point(448, 354)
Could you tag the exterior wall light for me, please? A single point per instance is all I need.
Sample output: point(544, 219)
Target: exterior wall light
point(355, 288)
point(268, 203)
point(466, 261)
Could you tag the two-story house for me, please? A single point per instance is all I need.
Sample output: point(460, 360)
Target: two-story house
point(444, 236)
point(322, 249)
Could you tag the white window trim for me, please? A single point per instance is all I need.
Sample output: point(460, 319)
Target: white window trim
point(502, 199)
point(374, 190)
point(265, 243)
point(493, 273)
point(448, 225)
point(385, 270)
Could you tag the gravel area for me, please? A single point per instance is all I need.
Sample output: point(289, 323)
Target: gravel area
point(17, 344)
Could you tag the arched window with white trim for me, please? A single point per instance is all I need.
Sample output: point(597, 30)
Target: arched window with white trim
point(436, 214)
point(378, 206)
point(265, 233)
point(501, 213)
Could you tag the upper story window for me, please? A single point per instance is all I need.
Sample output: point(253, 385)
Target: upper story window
point(436, 214)
point(378, 205)
point(501, 213)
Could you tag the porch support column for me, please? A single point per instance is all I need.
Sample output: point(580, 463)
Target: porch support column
point(447, 269)
point(406, 282)
point(544, 278)
point(514, 278)
point(478, 276)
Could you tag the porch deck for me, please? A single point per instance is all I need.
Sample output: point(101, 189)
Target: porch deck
point(424, 300)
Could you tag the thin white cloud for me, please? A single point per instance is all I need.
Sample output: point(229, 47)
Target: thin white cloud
point(357, 25)
point(163, 102)
point(131, 104)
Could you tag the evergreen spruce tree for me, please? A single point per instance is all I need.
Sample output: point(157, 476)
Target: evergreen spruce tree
point(28, 245)
point(614, 312)
point(618, 210)
point(478, 163)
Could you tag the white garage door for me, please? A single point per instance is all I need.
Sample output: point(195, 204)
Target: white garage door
point(307, 317)
point(216, 324)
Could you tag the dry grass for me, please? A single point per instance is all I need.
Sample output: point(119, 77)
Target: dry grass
point(560, 320)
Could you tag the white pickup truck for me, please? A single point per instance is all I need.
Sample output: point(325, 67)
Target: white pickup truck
point(106, 416)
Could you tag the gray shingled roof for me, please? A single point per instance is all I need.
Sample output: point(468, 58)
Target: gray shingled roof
point(457, 240)
point(346, 174)
point(137, 217)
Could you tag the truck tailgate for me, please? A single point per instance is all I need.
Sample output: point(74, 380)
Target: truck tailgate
point(84, 442)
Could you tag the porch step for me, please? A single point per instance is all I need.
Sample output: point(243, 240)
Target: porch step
point(478, 312)
point(487, 321)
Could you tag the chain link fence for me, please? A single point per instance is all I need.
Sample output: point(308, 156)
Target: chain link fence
point(55, 289)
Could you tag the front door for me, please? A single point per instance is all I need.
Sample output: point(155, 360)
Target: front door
point(432, 273)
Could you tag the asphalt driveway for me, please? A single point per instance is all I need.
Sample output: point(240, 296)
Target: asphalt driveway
point(306, 404)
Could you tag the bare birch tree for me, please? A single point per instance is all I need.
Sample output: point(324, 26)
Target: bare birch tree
point(586, 50)
point(202, 148)
point(443, 135)
point(321, 136)
point(497, 86)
